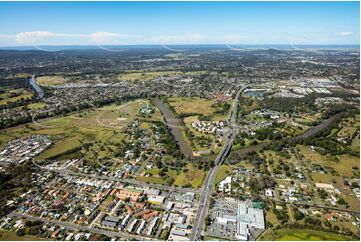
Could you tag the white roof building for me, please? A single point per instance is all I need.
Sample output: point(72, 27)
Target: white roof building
point(225, 184)
point(246, 217)
point(269, 193)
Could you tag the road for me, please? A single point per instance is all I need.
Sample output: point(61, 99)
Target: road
point(72, 226)
point(208, 182)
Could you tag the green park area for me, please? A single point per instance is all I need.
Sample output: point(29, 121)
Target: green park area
point(302, 234)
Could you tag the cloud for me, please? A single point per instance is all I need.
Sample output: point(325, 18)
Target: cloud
point(36, 36)
point(41, 37)
point(107, 37)
point(46, 37)
point(180, 39)
point(345, 33)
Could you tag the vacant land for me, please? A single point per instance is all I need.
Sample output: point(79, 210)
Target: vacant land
point(51, 80)
point(302, 234)
point(152, 176)
point(195, 105)
point(190, 177)
point(355, 145)
point(223, 172)
point(349, 126)
point(344, 165)
point(37, 105)
point(271, 217)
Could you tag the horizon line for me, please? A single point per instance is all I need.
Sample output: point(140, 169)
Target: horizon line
point(162, 45)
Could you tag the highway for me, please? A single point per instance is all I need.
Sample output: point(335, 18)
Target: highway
point(208, 182)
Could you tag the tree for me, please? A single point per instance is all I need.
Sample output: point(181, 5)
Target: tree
point(341, 201)
point(298, 215)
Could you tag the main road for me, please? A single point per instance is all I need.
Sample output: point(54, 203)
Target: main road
point(72, 226)
point(208, 182)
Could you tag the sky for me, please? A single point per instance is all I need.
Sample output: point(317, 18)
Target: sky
point(166, 23)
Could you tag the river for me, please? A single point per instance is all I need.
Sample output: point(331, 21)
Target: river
point(38, 90)
point(175, 127)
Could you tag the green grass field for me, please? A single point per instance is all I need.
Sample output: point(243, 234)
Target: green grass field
point(60, 147)
point(37, 105)
point(154, 178)
point(302, 234)
point(193, 177)
point(151, 179)
point(223, 172)
point(271, 217)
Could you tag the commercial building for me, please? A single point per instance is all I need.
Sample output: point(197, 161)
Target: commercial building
point(233, 219)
